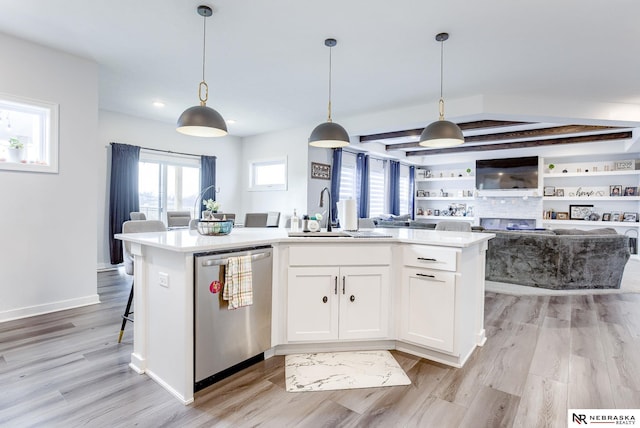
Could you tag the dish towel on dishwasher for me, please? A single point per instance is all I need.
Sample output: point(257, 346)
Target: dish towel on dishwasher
point(238, 287)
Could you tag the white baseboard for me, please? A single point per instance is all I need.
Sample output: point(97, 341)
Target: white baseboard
point(46, 308)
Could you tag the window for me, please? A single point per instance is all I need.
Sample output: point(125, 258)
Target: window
point(167, 183)
point(404, 190)
point(377, 183)
point(268, 175)
point(28, 135)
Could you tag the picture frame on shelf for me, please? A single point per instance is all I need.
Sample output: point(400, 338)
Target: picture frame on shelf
point(630, 217)
point(559, 193)
point(579, 212)
point(549, 191)
point(420, 193)
point(606, 217)
point(625, 165)
point(562, 216)
point(615, 190)
point(615, 216)
point(630, 191)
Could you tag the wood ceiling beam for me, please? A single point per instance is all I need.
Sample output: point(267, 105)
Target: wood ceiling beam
point(515, 135)
point(525, 144)
point(466, 126)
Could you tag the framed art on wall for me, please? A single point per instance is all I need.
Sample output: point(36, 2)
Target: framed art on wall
point(321, 171)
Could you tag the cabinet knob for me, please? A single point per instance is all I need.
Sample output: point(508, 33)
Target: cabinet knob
point(325, 299)
point(352, 298)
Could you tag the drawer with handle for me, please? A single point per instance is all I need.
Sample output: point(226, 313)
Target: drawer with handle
point(426, 256)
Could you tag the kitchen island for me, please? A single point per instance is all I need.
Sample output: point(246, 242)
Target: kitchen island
point(419, 291)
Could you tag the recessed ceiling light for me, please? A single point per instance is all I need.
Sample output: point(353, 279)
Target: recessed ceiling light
point(230, 121)
point(158, 104)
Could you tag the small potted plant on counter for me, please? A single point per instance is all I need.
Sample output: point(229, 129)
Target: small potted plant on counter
point(551, 166)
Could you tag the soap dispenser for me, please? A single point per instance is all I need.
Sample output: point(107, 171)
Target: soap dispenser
point(295, 222)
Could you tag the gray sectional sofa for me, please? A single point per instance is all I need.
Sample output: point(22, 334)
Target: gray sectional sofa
point(558, 259)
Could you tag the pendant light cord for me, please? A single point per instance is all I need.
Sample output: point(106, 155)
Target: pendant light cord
point(441, 102)
point(203, 84)
point(204, 44)
point(329, 107)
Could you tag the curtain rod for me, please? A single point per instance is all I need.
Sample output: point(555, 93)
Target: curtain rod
point(163, 151)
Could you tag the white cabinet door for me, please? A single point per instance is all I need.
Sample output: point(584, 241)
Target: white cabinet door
point(364, 302)
point(428, 308)
point(312, 306)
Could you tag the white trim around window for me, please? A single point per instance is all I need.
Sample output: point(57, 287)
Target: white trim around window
point(32, 126)
point(268, 174)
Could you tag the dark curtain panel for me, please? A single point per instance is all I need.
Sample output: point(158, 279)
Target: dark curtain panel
point(362, 181)
point(123, 193)
point(335, 183)
point(394, 187)
point(207, 178)
point(412, 192)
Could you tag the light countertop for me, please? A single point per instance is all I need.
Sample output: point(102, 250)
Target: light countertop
point(190, 241)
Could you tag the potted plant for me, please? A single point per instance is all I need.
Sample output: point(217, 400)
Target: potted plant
point(16, 150)
point(468, 171)
point(551, 166)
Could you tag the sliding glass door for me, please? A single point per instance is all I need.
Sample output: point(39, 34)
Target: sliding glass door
point(167, 183)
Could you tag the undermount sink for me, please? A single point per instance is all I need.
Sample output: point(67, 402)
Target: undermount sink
point(318, 234)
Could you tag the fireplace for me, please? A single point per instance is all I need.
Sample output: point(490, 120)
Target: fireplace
point(508, 223)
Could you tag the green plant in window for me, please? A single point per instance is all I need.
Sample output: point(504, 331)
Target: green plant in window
point(15, 143)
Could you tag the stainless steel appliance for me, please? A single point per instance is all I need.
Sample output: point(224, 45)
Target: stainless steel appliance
point(227, 341)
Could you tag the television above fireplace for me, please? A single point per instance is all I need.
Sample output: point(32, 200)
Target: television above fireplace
point(507, 173)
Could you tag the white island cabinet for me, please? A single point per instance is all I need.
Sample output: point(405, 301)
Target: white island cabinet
point(336, 294)
point(419, 291)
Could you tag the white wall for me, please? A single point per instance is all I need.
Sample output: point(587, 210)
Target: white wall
point(48, 248)
point(119, 128)
point(291, 143)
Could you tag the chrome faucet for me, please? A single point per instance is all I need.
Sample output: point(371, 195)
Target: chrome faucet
point(330, 206)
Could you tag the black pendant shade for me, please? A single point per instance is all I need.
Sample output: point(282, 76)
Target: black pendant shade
point(329, 135)
point(441, 133)
point(202, 121)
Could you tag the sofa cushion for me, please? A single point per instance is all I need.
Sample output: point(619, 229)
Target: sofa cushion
point(601, 231)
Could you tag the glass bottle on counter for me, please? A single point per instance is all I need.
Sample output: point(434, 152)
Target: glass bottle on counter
point(295, 222)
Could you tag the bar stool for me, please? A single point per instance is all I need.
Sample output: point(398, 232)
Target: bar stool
point(134, 226)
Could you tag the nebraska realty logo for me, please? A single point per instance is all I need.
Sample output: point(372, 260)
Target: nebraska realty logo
point(581, 417)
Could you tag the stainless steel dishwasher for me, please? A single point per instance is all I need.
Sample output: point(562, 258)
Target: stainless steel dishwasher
point(227, 341)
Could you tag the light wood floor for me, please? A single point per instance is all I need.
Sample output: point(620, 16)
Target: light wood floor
point(543, 355)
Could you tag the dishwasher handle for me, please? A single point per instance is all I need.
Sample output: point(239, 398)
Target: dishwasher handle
point(220, 262)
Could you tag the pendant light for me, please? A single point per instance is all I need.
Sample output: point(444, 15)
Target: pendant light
point(441, 133)
point(329, 134)
point(202, 121)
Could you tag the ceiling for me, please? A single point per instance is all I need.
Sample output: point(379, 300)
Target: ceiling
point(267, 66)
